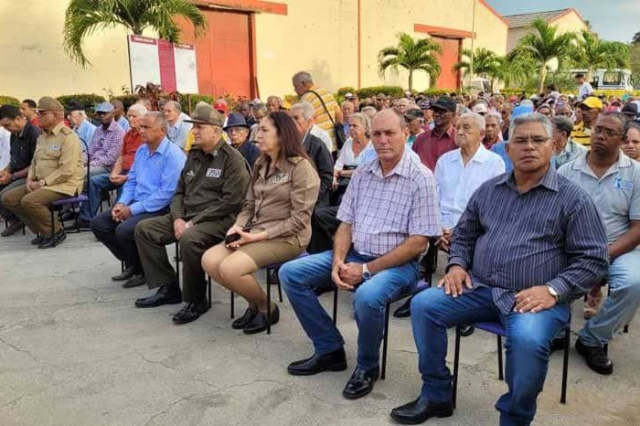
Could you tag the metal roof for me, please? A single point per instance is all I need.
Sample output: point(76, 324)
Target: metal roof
point(525, 19)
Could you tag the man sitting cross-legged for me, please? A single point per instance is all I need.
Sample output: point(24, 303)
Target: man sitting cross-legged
point(528, 243)
point(388, 212)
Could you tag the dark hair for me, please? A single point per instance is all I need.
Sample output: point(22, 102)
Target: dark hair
point(563, 124)
point(552, 87)
point(289, 137)
point(630, 125)
point(620, 116)
point(9, 111)
point(31, 103)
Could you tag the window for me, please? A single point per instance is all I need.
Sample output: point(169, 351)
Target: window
point(611, 78)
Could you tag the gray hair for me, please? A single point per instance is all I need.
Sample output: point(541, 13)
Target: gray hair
point(158, 118)
point(364, 119)
point(369, 109)
point(533, 117)
point(260, 108)
point(494, 115)
point(477, 118)
point(307, 109)
point(302, 77)
point(345, 103)
point(139, 109)
point(274, 98)
point(562, 124)
point(175, 105)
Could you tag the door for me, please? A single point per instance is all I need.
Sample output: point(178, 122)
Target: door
point(449, 78)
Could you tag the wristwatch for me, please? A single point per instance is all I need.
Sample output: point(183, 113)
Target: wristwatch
point(553, 292)
point(365, 272)
point(42, 182)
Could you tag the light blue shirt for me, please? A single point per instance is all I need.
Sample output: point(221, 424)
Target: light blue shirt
point(85, 132)
point(153, 178)
point(501, 149)
point(124, 123)
point(179, 132)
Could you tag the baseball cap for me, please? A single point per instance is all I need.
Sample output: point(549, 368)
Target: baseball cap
point(221, 106)
point(47, 103)
point(630, 109)
point(592, 102)
point(104, 107)
point(74, 105)
point(521, 110)
point(348, 95)
point(425, 104)
point(446, 103)
point(205, 114)
point(480, 108)
point(413, 113)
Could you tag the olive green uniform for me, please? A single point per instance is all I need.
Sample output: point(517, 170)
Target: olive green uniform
point(209, 196)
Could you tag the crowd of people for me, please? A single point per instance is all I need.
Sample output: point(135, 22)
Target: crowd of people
point(535, 201)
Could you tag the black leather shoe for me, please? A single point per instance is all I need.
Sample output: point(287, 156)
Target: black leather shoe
point(37, 240)
point(361, 383)
point(79, 226)
point(135, 281)
point(125, 275)
point(467, 330)
point(166, 295)
point(557, 344)
point(53, 241)
point(258, 324)
point(68, 215)
point(403, 311)
point(190, 312)
point(245, 319)
point(333, 361)
point(13, 227)
point(420, 411)
point(596, 358)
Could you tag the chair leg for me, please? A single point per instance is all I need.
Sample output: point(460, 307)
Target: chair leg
point(335, 306)
point(456, 362)
point(626, 329)
point(385, 341)
point(53, 227)
point(279, 286)
point(177, 247)
point(122, 267)
point(500, 365)
point(268, 304)
point(232, 304)
point(565, 365)
point(209, 291)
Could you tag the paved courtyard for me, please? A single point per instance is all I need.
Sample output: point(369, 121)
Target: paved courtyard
point(75, 351)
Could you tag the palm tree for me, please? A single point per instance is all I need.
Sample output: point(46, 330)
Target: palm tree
point(636, 38)
point(592, 53)
point(85, 17)
point(412, 55)
point(486, 64)
point(544, 44)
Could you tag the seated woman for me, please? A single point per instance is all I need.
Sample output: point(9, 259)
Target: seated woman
point(350, 158)
point(274, 225)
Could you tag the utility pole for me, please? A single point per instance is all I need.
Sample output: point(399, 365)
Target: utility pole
point(473, 37)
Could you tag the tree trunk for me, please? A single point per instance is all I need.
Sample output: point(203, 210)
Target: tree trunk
point(410, 79)
point(543, 77)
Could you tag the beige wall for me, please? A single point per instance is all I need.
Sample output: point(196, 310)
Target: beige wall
point(34, 64)
point(567, 23)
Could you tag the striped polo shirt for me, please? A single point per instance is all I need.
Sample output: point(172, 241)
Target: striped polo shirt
point(581, 135)
point(321, 117)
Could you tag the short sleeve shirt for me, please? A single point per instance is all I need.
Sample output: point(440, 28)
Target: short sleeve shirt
point(616, 194)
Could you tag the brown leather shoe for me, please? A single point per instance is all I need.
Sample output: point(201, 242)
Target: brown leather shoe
point(13, 227)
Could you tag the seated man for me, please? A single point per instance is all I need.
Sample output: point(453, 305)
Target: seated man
point(302, 113)
point(104, 148)
point(564, 148)
point(56, 172)
point(528, 243)
point(210, 192)
point(178, 128)
point(147, 193)
point(613, 181)
point(388, 212)
point(79, 122)
point(22, 146)
point(238, 131)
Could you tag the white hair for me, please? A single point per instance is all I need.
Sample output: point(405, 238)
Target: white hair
point(477, 118)
point(533, 117)
point(307, 109)
point(302, 77)
point(139, 109)
point(494, 115)
point(175, 105)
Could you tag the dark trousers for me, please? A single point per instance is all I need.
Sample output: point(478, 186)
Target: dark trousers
point(119, 237)
point(324, 225)
point(152, 235)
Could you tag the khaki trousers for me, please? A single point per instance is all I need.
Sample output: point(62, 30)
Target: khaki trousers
point(32, 208)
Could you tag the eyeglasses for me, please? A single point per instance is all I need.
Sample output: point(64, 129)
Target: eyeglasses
point(610, 133)
point(537, 141)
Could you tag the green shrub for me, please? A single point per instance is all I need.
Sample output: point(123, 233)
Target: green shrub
point(127, 100)
point(88, 100)
point(9, 100)
point(368, 92)
point(188, 102)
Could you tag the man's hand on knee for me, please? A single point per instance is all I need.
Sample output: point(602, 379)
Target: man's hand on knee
point(337, 280)
point(454, 281)
point(534, 299)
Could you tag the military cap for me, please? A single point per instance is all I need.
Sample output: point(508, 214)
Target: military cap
point(205, 114)
point(47, 103)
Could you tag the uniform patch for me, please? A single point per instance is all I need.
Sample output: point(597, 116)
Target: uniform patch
point(54, 147)
point(214, 173)
point(190, 173)
point(280, 177)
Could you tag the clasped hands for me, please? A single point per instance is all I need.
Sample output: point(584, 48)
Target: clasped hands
point(120, 212)
point(245, 237)
point(347, 276)
point(534, 299)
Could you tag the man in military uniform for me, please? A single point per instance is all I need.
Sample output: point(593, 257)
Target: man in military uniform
point(56, 172)
point(210, 192)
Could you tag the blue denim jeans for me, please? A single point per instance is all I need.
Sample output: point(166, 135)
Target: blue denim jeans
point(621, 305)
point(528, 346)
point(300, 277)
point(99, 184)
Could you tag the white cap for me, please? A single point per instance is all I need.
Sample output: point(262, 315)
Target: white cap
point(348, 95)
point(480, 108)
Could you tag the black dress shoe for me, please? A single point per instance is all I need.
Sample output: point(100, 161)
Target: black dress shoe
point(467, 330)
point(124, 275)
point(420, 411)
point(190, 312)
point(53, 240)
point(332, 361)
point(13, 227)
point(258, 324)
point(135, 281)
point(37, 240)
point(68, 215)
point(361, 383)
point(166, 295)
point(245, 319)
point(596, 358)
point(403, 311)
point(79, 226)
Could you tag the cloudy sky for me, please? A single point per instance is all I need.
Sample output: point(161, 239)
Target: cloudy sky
point(612, 19)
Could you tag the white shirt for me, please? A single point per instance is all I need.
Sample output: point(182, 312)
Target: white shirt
point(323, 135)
point(456, 182)
point(346, 157)
point(5, 148)
point(584, 91)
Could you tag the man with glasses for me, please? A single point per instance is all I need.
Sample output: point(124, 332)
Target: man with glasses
point(434, 142)
point(527, 244)
point(56, 172)
point(590, 108)
point(613, 181)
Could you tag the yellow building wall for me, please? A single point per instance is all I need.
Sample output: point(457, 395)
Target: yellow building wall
point(34, 64)
point(569, 22)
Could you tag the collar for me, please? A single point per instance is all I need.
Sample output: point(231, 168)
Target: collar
point(56, 130)
point(449, 132)
point(481, 155)
point(162, 148)
point(549, 180)
point(403, 168)
point(580, 164)
point(111, 127)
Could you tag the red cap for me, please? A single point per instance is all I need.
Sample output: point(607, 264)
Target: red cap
point(221, 105)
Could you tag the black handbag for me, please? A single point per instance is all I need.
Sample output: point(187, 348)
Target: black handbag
point(338, 129)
